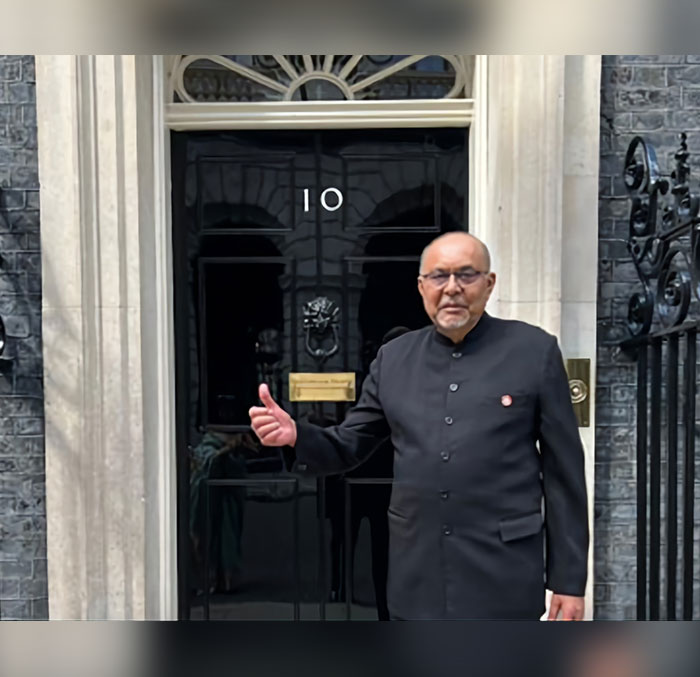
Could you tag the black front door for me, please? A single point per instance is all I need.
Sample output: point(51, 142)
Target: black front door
point(294, 251)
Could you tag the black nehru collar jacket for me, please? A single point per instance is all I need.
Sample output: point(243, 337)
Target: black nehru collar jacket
point(489, 501)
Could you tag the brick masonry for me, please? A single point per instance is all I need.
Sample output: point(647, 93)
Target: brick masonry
point(657, 97)
point(23, 588)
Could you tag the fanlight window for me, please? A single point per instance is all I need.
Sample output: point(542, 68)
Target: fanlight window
point(217, 78)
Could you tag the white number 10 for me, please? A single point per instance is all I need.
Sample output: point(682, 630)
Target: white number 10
point(324, 201)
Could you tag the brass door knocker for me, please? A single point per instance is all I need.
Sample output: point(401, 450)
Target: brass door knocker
point(321, 325)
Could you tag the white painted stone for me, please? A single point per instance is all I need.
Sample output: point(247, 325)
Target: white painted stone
point(525, 137)
point(60, 196)
point(105, 351)
point(580, 239)
point(582, 101)
point(65, 510)
point(580, 244)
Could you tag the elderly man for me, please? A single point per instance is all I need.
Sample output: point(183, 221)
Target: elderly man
point(485, 437)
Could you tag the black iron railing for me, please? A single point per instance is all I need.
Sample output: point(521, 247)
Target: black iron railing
point(218, 488)
point(666, 391)
point(663, 341)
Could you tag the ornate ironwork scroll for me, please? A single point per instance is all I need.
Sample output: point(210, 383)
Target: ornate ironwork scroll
point(321, 327)
point(666, 255)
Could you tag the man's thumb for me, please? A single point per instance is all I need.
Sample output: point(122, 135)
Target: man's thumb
point(265, 397)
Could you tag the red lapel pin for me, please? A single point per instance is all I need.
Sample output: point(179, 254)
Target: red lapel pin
point(506, 400)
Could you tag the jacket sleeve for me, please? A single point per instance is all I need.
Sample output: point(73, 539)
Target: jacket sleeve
point(328, 451)
point(566, 513)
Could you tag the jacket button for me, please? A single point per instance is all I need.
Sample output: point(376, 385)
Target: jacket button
point(454, 387)
point(446, 529)
point(448, 420)
point(456, 355)
point(445, 456)
point(444, 495)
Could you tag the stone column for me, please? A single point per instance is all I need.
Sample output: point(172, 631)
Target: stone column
point(524, 185)
point(540, 217)
point(107, 339)
point(579, 243)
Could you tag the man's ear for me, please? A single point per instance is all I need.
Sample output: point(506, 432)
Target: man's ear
point(420, 286)
point(491, 277)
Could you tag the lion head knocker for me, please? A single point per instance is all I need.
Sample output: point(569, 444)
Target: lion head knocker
point(321, 328)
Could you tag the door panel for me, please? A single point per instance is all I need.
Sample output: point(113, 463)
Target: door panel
point(236, 355)
point(268, 229)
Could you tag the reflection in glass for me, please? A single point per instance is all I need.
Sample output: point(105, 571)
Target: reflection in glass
point(218, 456)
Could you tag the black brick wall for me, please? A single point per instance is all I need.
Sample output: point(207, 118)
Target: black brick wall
point(23, 591)
point(657, 97)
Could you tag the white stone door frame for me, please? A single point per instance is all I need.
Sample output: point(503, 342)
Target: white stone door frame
point(107, 281)
point(108, 338)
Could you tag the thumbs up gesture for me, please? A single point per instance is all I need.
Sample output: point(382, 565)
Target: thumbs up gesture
point(273, 426)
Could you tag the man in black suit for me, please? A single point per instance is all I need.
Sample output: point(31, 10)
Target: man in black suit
point(489, 500)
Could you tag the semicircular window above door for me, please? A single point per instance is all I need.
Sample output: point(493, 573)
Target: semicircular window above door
point(219, 78)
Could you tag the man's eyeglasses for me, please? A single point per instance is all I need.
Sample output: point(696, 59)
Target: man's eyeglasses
point(439, 279)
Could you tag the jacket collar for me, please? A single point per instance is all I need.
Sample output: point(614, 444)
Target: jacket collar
point(475, 335)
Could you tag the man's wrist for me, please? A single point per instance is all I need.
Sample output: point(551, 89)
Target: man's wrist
point(568, 594)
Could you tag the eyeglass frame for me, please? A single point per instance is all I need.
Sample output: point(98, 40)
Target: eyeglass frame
point(456, 273)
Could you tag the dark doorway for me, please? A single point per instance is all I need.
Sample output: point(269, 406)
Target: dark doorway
point(263, 224)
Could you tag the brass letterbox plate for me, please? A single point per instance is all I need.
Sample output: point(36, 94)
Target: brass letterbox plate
point(313, 387)
point(579, 373)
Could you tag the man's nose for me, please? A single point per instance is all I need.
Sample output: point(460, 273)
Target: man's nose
point(452, 287)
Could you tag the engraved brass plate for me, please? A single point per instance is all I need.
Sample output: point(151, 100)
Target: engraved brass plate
point(579, 372)
point(313, 387)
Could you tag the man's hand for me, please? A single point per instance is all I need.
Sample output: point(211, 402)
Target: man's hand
point(273, 426)
point(571, 608)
